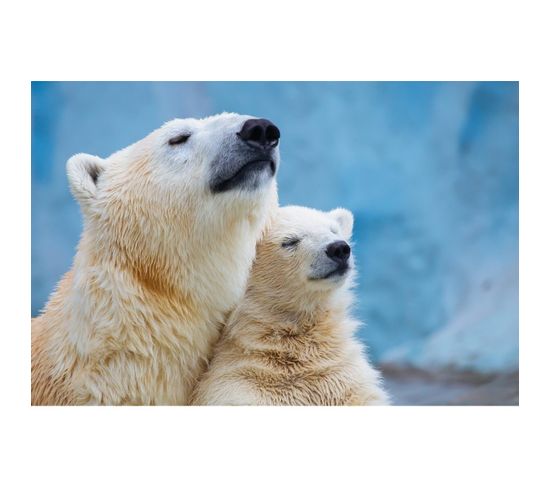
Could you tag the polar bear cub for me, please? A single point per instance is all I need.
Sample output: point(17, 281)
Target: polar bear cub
point(291, 341)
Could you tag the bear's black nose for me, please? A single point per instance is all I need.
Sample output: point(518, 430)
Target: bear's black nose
point(339, 251)
point(260, 133)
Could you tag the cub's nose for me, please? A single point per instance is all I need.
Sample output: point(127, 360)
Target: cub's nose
point(339, 251)
point(260, 133)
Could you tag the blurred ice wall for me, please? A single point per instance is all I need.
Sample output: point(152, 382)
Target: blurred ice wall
point(430, 171)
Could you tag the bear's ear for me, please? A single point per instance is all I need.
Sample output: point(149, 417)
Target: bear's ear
point(345, 220)
point(83, 171)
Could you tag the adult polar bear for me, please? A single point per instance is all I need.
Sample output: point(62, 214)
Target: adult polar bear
point(170, 227)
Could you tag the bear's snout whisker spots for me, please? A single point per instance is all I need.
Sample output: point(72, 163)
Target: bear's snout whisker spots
point(249, 160)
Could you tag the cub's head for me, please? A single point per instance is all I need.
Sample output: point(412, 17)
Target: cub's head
point(305, 254)
point(188, 192)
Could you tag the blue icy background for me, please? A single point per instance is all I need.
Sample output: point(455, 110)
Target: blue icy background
point(430, 171)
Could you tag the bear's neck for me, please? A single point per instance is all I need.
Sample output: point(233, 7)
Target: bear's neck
point(118, 286)
point(264, 308)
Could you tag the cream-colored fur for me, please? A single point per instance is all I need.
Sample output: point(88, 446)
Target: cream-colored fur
point(291, 339)
point(161, 261)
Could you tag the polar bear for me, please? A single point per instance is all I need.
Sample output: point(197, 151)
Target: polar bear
point(291, 339)
point(170, 228)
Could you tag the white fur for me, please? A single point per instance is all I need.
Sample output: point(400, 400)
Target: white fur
point(81, 169)
point(161, 261)
point(291, 339)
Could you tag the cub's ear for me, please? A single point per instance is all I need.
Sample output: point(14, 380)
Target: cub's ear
point(83, 171)
point(345, 220)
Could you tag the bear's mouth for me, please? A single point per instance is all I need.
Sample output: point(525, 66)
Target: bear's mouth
point(340, 271)
point(244, 173)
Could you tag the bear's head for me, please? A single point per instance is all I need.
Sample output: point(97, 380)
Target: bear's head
point(183, 207)
point(304, 257)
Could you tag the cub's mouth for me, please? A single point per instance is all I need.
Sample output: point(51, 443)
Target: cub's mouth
point(248, 175)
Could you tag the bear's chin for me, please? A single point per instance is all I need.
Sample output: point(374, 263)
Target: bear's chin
point(251, 176)
point(332, 280)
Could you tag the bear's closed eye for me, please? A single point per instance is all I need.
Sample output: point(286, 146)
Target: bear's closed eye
point(291, 242)
point(179, 139)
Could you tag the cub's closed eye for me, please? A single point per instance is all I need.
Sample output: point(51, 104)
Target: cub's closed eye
point(179, 139)
point(291, 242)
